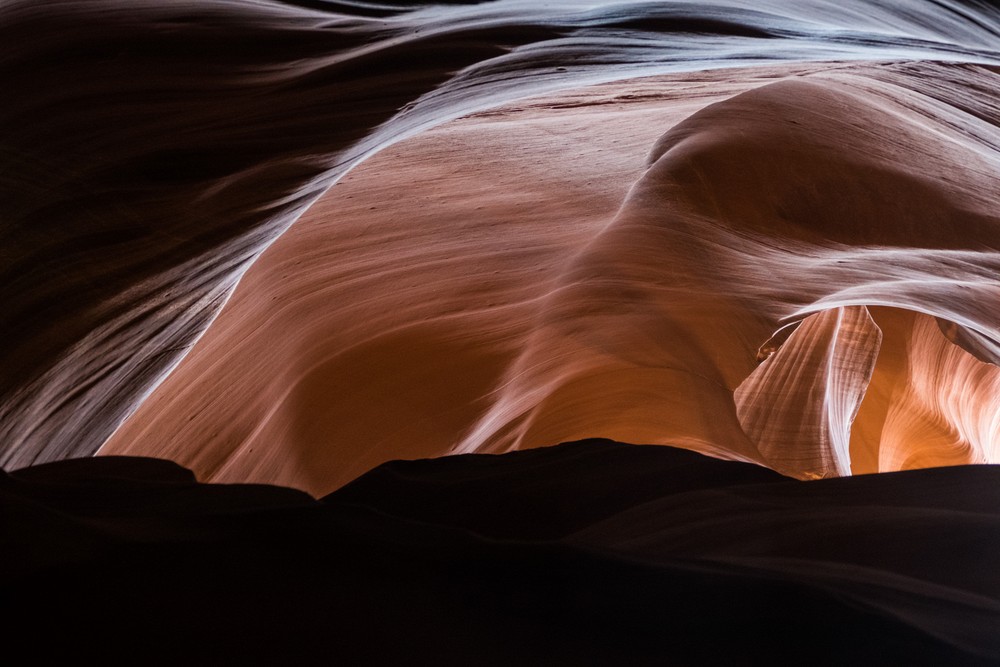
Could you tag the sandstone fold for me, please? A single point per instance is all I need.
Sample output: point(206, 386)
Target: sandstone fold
point(932, 404)
point(799, 404)
point(614, 261)
point(151, 152)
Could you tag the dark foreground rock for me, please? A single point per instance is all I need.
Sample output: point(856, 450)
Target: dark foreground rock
point(586, 553)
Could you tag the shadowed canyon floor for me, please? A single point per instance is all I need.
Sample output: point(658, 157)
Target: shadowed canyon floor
point(587, 553)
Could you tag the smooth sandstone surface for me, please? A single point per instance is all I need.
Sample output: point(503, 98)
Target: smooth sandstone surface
point(610, 262)
point(151, 152)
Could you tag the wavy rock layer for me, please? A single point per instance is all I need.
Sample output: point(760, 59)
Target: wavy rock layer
point(151, 152)
point(518, 276)
point(800, 404)
point(459, 293)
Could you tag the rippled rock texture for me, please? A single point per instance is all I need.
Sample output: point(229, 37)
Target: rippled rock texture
point(560, 219)
point(789, 246)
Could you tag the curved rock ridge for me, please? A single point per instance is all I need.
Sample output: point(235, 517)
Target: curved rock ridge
point(799, 405)
point(934, 403)
point(460, 293)
point(152, 151)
